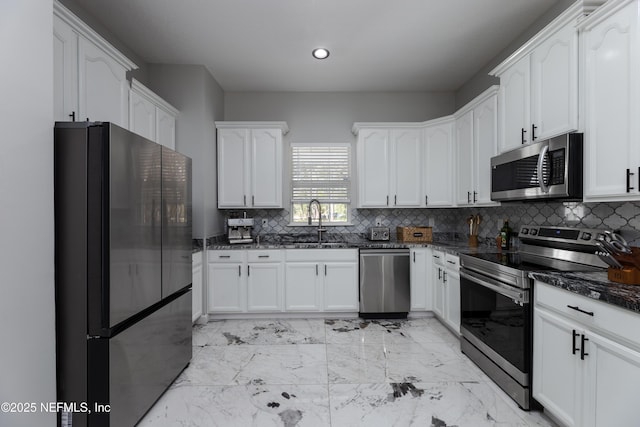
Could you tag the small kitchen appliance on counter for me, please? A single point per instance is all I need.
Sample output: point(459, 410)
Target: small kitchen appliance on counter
point(239, 230)
point(379, 234)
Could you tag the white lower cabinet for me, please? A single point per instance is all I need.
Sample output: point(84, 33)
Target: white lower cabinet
point(295, 280)
point(586, 364)
point(196, 286)
point(446, 289)
point(421, 280)
point(437, 268)
point(321, 280)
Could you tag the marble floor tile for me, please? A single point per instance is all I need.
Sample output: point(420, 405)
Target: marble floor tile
point(257, 364)
point(419, 404)
point(229, 406)
point(333, 372)
point(256, 332)
point(427, 362)
point(356, 363)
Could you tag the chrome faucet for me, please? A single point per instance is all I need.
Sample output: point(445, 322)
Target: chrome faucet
point(320, 229)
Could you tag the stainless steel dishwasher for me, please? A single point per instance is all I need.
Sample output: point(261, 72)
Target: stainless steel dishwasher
point(384, 283)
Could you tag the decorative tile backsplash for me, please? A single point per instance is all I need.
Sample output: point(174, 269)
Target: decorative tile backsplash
point(615, 216)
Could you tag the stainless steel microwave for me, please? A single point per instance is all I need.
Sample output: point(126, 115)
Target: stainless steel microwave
point(549, 169)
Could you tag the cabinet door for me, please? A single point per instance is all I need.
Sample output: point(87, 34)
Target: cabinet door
point(438, 171)
point(438, 290)
point(485, 134)
point(421, 298)
point(514, 105)
point(266, 168)
point(104, 90)
point(556, 369)
point(612, 95)
point(65, 72)
point(373, 168)
point(302, 291)
point(264, 287)
point(226, 288)
point(232, 169)
point(554, 85)
point(406, 167)
point(340, 286)
point(611, 383)
point(165, 128)
point(465, 192)
point(452, 299)
point(196, 284)
point(142, 116)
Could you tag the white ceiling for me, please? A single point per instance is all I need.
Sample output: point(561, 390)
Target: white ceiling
point(376, 45)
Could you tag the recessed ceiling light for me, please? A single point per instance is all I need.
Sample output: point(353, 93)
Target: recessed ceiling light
point(320, 53)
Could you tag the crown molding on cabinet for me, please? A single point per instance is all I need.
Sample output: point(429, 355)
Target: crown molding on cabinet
point(575, 12)
point(488, 93)
point(87, 32)
point(607, 9)
point(397, 125)
point(153, 97)
point(254, 125)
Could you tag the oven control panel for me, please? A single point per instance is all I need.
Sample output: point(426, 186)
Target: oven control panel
point(580, 236)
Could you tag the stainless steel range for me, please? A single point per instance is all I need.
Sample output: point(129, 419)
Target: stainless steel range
point(496, 295)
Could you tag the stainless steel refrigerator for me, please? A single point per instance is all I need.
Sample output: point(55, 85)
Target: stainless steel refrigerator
point(123, 272)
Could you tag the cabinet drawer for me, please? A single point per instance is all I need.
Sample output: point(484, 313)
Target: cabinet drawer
point(227, 256)
point(264, 255)
point(438, 257)
point(321, 255)
point(452, 262)
point(618, 323)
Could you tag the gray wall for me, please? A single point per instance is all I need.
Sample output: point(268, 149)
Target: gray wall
point(192, 90)
point(27, 332)
point(329, 116)
point(482, 80)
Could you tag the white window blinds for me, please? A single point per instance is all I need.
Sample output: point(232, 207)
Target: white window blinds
point(320, 171)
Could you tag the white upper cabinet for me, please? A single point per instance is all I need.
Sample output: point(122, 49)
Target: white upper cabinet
point(539, 83)
point(373, 168)
point(438, 169)
point(612, 97)
point(476, 143)
point(389, 164)
point(250, 164)
point(89, 73)
point(151, 116)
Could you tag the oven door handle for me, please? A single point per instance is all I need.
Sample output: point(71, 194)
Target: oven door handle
point(494, 285)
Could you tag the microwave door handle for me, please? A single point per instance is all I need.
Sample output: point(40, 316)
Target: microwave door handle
point(543, 186)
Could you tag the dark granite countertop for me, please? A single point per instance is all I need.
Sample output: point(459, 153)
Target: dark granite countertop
point(453, 247)
point(594, 285)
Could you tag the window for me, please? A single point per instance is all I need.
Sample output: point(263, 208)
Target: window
point(320, 171)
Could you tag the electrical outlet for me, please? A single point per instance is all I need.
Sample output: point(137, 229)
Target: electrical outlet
point(264, 222)
point(431, 222)
point(378, 221)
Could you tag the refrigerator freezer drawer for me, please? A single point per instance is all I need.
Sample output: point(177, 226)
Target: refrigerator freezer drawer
point(132, 369)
